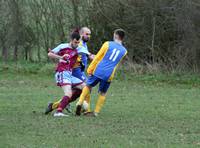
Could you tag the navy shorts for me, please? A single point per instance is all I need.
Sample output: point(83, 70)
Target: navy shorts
point(76, 72)
point(93, 81)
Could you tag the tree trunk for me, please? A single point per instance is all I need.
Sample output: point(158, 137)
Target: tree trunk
point(153, 39)
point(15, 54)
point(76, 12)
point(4, 53)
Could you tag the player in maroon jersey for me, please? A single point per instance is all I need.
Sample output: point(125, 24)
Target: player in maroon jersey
point(67, 55)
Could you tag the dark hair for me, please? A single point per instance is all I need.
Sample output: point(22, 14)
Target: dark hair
point(120, 33)
point(76, 29)
point(75, 35)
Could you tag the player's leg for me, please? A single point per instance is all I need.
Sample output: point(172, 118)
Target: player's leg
point(77, 72)
point(66, 84)
point(91, 82)
point(65, 100)
point(103, 87)
point(85, 92)
point(78, 85)
point(56, 104)
point(88, 99)
point(75, 94)
point(51, 106)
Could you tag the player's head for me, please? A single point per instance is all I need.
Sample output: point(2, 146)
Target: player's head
point(85, 33)
point(119, 34)
point(75, 39)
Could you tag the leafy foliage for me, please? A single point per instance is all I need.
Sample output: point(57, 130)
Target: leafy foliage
point(159, 32)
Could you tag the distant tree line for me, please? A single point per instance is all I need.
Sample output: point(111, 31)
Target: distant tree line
point(164, 32)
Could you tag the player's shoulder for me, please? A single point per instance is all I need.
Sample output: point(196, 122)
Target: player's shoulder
point(105, 44)
point(82, 49)
point(60, 47)
point(64, 45)
point(115, 44)
point(118, 46)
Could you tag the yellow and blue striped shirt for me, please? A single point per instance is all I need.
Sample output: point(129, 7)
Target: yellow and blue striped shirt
point(105, 62)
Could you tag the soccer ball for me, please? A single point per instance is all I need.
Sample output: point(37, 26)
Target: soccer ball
point(85, 106)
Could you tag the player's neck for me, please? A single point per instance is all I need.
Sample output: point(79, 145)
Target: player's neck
point(70, 45)
point(118, 41)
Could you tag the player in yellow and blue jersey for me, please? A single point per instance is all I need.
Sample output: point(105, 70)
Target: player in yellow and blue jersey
point(84, 54)
point(102, 70)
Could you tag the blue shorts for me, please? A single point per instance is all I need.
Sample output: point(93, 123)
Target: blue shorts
point(66, 78)
point(93, 81)
point(76, 72)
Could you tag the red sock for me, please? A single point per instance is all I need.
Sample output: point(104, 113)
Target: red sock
point(76, 93)
point(64, 102)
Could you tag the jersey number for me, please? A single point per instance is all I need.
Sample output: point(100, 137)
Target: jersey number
point(114, 55)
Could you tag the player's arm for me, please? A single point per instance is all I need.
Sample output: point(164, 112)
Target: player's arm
point(97, 58)
point(91, 56)
point(53, 55)
point(125, 58)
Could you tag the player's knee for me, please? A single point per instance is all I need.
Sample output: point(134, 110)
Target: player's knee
point(69, 94)
point(102, 93)
point(81, 86)
point(89, 87)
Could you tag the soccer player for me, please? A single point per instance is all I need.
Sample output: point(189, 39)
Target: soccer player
point(102, 70)
point(84, 54)
point(67, 55)
point(78, 69)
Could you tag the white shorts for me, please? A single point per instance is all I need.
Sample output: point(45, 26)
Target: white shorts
point(66, 78)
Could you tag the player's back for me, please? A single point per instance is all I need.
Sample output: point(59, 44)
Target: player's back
point(106, 67)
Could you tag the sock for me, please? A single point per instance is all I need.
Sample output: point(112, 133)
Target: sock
point(75, 94)
point(84, 93)
point(87, 99)
point(99, 103)
point(56, 104)
point(63, 103)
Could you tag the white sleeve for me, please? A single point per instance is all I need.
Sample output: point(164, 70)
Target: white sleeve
point(59, 47)
point(82, 49)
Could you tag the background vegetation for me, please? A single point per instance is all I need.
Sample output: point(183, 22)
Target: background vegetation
point(161, 34)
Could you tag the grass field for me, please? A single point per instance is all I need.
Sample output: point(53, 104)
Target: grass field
point(140, 111)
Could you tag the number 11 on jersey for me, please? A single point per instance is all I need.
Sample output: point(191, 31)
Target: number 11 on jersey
point(114, 54)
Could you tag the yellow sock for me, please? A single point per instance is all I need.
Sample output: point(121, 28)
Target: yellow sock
point(85, 92)
point(99, 103)
point(87, 99)
point(55, 104)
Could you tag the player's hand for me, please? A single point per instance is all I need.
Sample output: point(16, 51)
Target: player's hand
point(49, 50)
point(91, 56)
point(65, 57)
point(89, 75)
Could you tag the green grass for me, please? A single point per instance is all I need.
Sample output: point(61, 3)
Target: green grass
point(140, 111)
